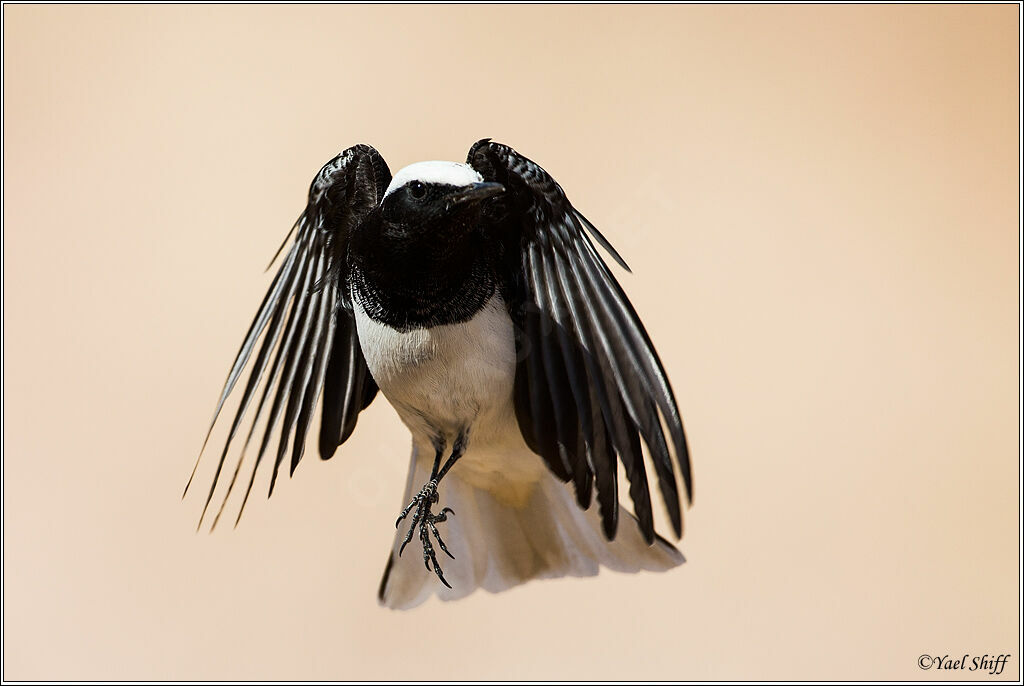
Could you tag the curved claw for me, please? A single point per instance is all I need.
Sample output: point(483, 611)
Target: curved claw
point(417, 518)
point(425, 520)
point(440, 575)
point(440, 541)
point(405, 513)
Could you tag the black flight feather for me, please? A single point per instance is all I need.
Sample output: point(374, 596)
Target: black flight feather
point(307, 326)
point(589, 389)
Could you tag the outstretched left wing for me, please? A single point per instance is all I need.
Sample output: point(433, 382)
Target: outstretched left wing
point(589, 385)
point(308, 328)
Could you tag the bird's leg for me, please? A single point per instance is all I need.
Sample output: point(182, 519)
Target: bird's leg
point(428, 490)
point(457, 450)
point(423, 501)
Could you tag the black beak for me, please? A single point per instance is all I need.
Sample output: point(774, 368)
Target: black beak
point(474, 193)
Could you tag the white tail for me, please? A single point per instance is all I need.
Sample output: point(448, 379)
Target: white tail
point(500, 542)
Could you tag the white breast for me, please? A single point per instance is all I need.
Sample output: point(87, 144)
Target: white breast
point(445, 379)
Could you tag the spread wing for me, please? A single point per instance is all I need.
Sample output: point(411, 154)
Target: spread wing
point(306, 330)
point(589, 386)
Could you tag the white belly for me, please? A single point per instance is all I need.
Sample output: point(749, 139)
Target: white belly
point(446, 379)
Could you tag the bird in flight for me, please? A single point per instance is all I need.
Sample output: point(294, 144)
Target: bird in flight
point(473, 297)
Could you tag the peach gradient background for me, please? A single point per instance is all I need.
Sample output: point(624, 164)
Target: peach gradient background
point(820, 207)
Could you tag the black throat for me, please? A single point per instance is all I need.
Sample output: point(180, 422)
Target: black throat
point(410, 279)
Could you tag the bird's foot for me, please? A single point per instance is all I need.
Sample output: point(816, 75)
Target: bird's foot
point(426, 521)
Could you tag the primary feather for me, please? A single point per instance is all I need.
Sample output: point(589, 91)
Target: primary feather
point(306, 324)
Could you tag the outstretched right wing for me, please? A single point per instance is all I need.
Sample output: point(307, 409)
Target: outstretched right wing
point(308, 328)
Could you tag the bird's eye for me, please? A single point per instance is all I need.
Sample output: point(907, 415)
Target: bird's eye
point(417, 190)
